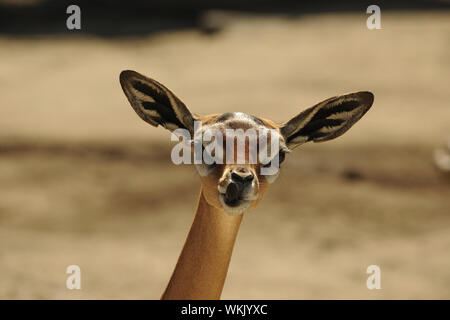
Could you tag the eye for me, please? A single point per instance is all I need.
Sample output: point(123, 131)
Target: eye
point(212, 164)
point(281, 155)
point(208, 158)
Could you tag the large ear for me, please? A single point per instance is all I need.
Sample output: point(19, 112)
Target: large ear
point(326, 120)
point(154, 103)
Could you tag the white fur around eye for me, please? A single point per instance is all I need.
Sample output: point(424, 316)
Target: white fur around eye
point(204, 169)
point(271, 178)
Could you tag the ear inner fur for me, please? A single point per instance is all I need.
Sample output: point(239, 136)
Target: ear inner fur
point(327, 120)
point(154, 103)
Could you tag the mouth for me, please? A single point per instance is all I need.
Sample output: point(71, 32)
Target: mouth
point(233, 200)
point(235, 206)
point(236, 197)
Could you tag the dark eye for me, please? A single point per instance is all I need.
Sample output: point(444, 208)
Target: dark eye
point(281, 155)
point(212, 164)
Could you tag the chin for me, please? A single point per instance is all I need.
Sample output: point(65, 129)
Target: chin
point(235, 208)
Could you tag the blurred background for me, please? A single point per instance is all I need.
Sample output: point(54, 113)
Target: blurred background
point(84, 181)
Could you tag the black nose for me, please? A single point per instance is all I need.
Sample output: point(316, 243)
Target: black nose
point(242, 176)
point(232, 193)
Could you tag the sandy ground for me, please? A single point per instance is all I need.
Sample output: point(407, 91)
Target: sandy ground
point(84, 181)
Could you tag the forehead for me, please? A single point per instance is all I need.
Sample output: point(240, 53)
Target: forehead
point(236, 120)
point(241, 121)
point(239, 117)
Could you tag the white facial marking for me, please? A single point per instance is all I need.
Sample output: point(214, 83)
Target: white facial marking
point(234, 211)
point(271, 178)
point(204, 169)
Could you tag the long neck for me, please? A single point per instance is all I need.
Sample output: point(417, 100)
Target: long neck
point(203, 264)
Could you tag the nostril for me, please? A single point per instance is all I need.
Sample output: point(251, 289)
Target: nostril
point(249, 177)
point(235, 176)
point(242, 178)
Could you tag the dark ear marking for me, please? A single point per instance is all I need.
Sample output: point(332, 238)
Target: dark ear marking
point(327, 120)
point(154, 103)
point(346, 106)
point(312, 129)
point(161, 101)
